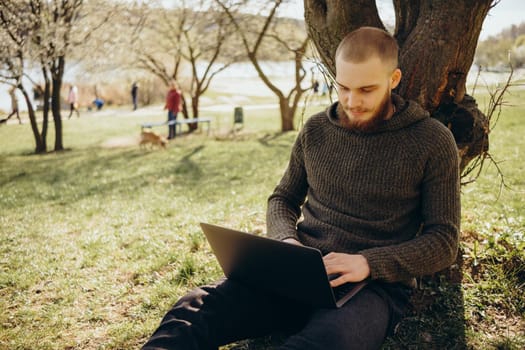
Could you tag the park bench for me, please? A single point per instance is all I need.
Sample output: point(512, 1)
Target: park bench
point(178, 124)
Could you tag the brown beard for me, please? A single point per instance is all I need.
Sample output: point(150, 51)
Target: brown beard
point(371, 124)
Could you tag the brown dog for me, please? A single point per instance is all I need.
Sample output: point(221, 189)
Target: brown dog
point(152, 138)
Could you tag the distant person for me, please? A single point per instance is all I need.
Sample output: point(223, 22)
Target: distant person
point(315, 87)
point(315, 91)
point(174, 106)
point(38, 96)
point(99, 103)
point(14, 106)
point(72, 99)
point(134, 94)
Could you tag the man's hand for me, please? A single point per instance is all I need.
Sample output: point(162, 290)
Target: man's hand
point(292, 241)
point(349, 267)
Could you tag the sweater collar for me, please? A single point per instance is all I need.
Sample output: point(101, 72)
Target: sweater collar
point(407, 113)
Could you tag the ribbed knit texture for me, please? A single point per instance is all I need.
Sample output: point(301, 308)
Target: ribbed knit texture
point(391, 195)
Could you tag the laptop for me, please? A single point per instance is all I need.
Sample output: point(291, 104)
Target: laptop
point(288, 270)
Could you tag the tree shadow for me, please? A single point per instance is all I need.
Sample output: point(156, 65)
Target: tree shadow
point(66, 172)
point(267, 138)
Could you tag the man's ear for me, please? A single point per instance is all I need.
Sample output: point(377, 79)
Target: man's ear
point(395, 78)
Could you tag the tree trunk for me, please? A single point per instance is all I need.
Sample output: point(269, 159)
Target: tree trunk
point(287, 115)
point(45, 111)
point(437, 41)
point(40, 146)
point(55, 106)
point(194, 111)
point(185, 112)
point(57, 75)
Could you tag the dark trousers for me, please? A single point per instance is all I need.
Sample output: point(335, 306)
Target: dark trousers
point(172, 131)
point(72, 108)
point(216, 315)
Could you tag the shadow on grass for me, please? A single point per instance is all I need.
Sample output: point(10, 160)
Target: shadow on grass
point(267, 139)
point(68, 177)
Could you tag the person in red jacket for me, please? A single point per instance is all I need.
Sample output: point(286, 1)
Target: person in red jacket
point(173, 105)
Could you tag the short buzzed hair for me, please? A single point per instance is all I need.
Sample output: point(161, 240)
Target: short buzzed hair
point(365, 42)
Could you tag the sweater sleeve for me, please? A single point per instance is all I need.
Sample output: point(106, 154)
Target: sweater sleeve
point(435, 248)
point(284, 204)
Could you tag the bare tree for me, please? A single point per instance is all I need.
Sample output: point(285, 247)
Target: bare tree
point(101, 40)
point(194, 36)
point(51, 43)
point(288, 102)
point(164, 59)
point(16, 27)
point(158, 44)
point(204, 39)
point(42, 34)
point(437, 41)
point(102, 50)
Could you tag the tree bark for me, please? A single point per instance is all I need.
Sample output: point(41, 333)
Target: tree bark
point(40, 146)
point(57, 75)
point(328, 21)
point(437, 41)
point(45, 110)
point(287, 115)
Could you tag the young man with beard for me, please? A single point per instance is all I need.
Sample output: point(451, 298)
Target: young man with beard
point(373, 183)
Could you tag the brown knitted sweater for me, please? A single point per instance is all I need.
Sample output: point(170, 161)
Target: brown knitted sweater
point(391, 195)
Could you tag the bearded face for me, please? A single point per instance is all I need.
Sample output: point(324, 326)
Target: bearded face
point(364, 91)
point(375, 119)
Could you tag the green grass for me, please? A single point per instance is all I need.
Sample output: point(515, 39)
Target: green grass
point(98, 241)
point(483, 307)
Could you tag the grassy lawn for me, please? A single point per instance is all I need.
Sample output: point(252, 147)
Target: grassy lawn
point(98, 241)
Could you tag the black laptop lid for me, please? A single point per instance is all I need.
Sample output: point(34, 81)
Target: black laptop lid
point(289, 270)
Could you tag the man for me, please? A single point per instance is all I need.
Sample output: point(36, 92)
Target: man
point(373, 183)
point(173, 105)
point(14, 106)
point(99, 103)
point(134, 94)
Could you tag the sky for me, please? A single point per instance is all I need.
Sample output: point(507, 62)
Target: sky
point(503, 15)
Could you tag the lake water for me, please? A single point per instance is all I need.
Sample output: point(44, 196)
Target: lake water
point(242, 79)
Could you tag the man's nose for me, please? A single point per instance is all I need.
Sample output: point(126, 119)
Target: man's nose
point(352, 100)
